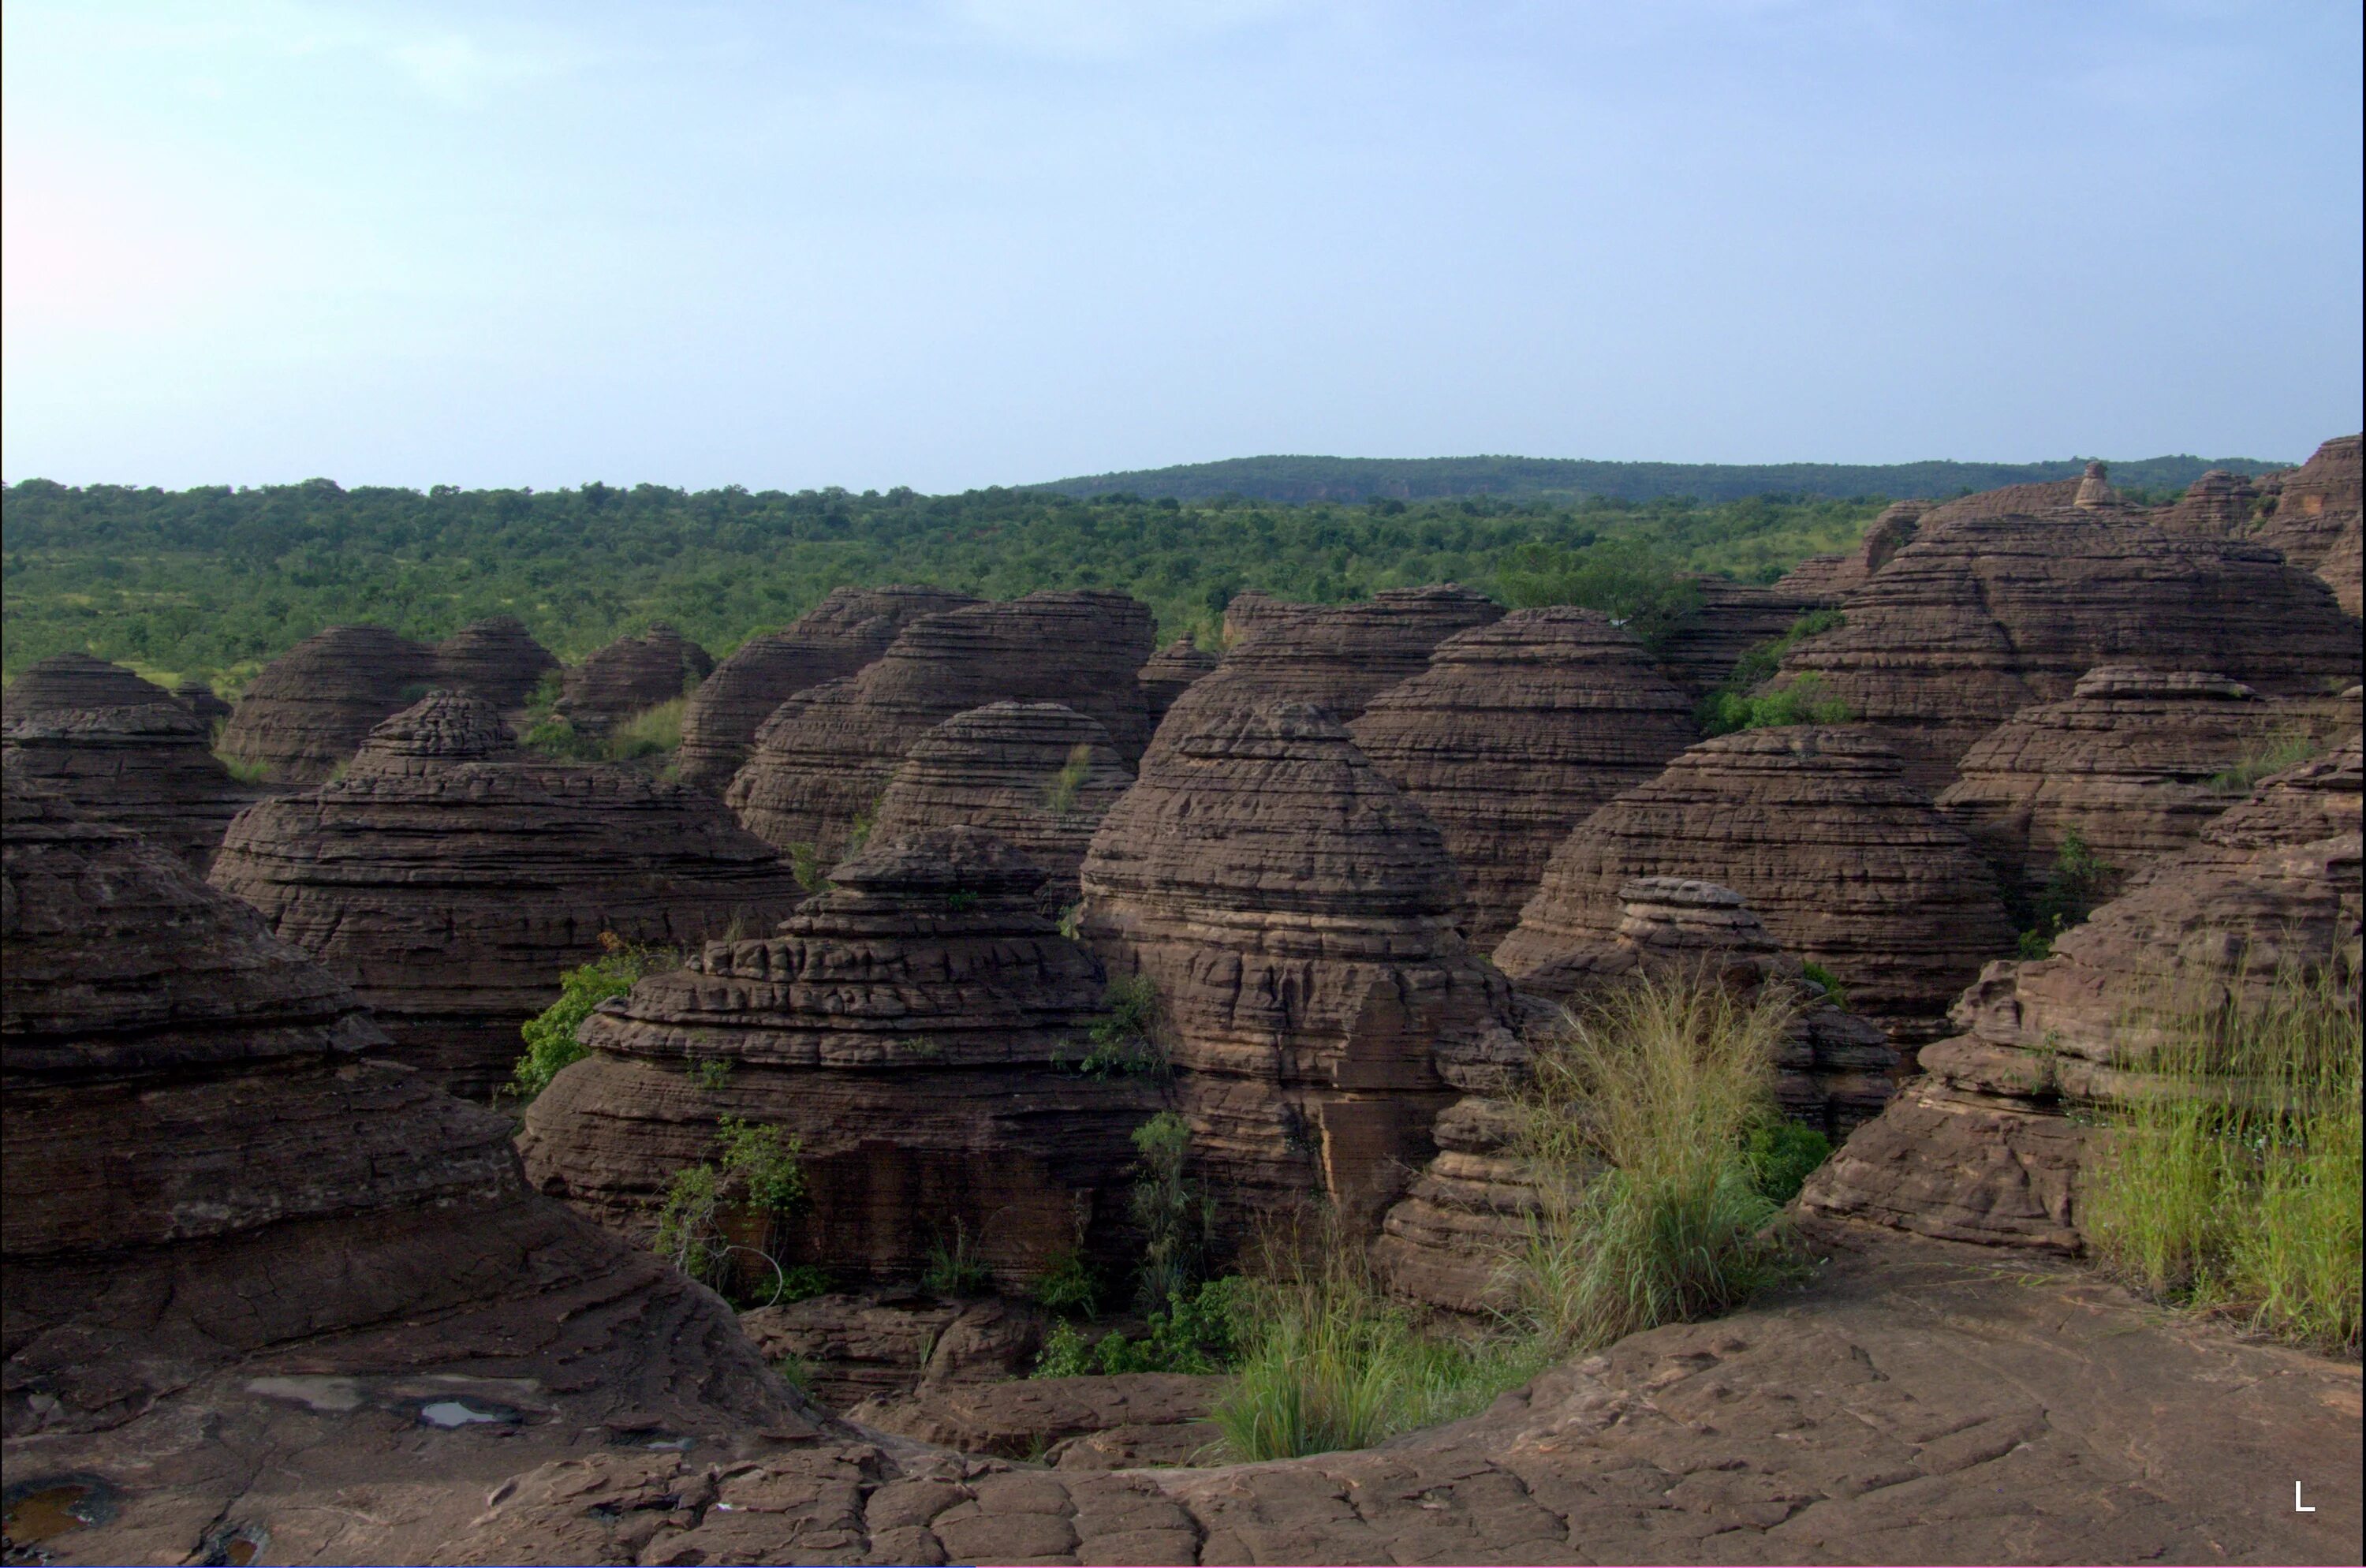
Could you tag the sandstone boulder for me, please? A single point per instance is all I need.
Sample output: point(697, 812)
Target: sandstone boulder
point(631, 675)
point(1513, 735)
point(451, 878)
point(122, 750)
point(1172, 671)
point(2312, 514)
point(847, 630)
point(1849, 867)
point(308, 711)
point(496, 659)
point(1732, 619)
point(821, 761)
point(880, 1347)
point(1126, 1421)
point(920, 1028)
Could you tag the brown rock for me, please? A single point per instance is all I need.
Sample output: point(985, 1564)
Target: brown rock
point(1153, 1418)
point(200, 698)
point(1172, 671)
point(496, 659)
point(630, 675)
point(847, 630)
point(2129, 762)
point(452, 878)
point(1733, 618)
point(1826, 580)
point(1295, 914)
point(308, 710)
point(1848, 866)
point(2312, 514)
point(1984, 614)
point(1513, 735)
point(122, 750)
point(1254, 613)
point(822, 758)
point(1037, 776)
point(883, 1346)
point(916, 1027)
point(2220, 504)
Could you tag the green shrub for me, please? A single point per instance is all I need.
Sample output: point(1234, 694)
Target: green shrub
point(1127, 1040)
point(757, 1171)
point(1804, 700)
point(549, 1036)
point(651, 732)
point(1640, 586)
point(1782, 1155)
point(1176, 1220)
point(765, 1162)
point(554, 737)
point(1200, 1334)
point(1824, 980)
point(802, 1282)
point(805, 864)
point(2079, 880)
point(242, 770)
point(1060, 798)
point(1071, 1286)
point(2288, 748)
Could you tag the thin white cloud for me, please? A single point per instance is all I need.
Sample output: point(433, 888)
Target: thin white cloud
point(1115, 29)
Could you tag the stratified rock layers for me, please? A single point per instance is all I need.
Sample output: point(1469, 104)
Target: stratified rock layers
point(821, 761)
point(309, 709)
point(2312, 516)
point(450, 879)
point(1037, 776)
point(1295, 914)
point(496, 659)
point(1513, 735)
point(837, 636)
point(122, 750)
point(630, 675)
point(1172, 672)
point(917, 1028)
point(1733, 618)
point(1848, 866)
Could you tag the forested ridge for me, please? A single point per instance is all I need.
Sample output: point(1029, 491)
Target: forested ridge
point(214, 582)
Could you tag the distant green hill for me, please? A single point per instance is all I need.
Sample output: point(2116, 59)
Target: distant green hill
point(1433, 479)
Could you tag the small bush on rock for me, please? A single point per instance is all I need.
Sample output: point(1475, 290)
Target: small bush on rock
point(549, 1036)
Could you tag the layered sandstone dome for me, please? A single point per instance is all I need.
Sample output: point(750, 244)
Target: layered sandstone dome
point(822, 758)
point(1295, 914)
point(1826, 580)
point(1849, 867)
point(1732, 619)
point(308, 711)
point(450, 878)
point(2135, 762)
point(496, 659)
point(2312, 514)
point(200, 698)
point(1990, 1143)
point(2220, 504)
point(920, 1027)
point(214, 1200)
point(1983, 614)
point(847, 630)
point(1513, 735)
point(1037, 776)
point(631, 675)
point(122, 750)
point(1172, 672)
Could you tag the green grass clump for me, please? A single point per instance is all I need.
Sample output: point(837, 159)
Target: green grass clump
point(2233, 1186)
point(2288, 748)
point(2079, 880)
point(956, 1267)
point(648, 733)
point(244, 772)
point(1060, 796)
point(550, 1043)
point(1070, 1286)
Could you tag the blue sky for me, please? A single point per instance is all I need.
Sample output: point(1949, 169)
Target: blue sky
point(997, 241)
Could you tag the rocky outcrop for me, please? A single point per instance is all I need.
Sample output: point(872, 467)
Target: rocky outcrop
point(847, 630)
point(822, 758)
point(631, 675)
point(1700, 653)
point(1172, 671)
point(1513, 735)
point(1826, 580)
point(1983, 616)
point(882, 1347)
point(230, 1232)
point(1849, 867)
point(1127, 1421)
point(122, 750)
point(2221, 505)
point(2136, 762)
point(308, 711)
point(1037, 776)
point(200, 698)
point(2312, 513)
point(1990, 1143)
point(920, 1028)
point(1334, 657)
point(451, 878)
point(1295, 914)
point(496, 659)
point(1253, 614)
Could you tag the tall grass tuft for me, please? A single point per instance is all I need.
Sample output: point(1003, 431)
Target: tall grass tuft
point(1640, 1119)
point(648, 732)
point(2233, 1184)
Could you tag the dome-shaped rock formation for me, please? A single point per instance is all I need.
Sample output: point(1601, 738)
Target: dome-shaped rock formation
point(2221, 505)
point(1172, 671)
point(629, 676)
point(1037, 776)
point(2313, 513)
point(2135, 763)
point(847, 630)
point(1989, 1144)
point(1513, 735)
point(919, 1027)
point(122, 750)
point(496, 659)
point(308, 711)
point(1254, 613)
point(451, 878)
point(821, 761)
point(1295, 914)
point(1849, 867)
point(200, 698)
point(1826, 579)
point(1702, 649)
point(1983, 616)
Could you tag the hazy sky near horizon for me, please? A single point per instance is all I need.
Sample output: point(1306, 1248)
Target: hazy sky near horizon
point(999, 240)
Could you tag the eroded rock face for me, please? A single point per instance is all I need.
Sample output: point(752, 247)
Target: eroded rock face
point(1848, 866)
point(122, 750)
point(496, 659)
point(1984, 1146)
point(837, 637)
point(2220, 504)
point(451, 878)
point(631, 675)
point(1037, 776)
point(821, 761)
point(203, 701)
point(2135, 762)
point(2312, 514)
point(920, 1027)
point(1733, 618)
point(1295, 914)
point(308, 711)
point(1826, 580)
point(1172, 671)
point(1984, 614)
point(1513, 735)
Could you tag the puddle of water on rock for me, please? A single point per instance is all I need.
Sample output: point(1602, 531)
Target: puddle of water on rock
point(237, 1546)
point(45, 1511)
point(450, 1414)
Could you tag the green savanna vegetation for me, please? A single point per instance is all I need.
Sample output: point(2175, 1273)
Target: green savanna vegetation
point(215, 581)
